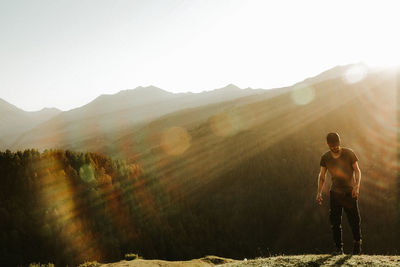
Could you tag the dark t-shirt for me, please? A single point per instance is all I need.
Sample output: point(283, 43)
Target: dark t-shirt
point(341, 169)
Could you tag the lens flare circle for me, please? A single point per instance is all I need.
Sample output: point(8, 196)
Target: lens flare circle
point(224, 124)
point(175, 141)
point(355, 74)
point(303, 95)
point(86, 172)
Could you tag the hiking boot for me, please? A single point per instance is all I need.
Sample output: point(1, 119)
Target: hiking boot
point(357, 247)
point(338, 251)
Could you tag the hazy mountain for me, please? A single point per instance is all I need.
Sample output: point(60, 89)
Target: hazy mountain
point(245, 114)
point(126, 99)
point(12, 120)
point(15, 121)
point(233, 112)
point(109, 115)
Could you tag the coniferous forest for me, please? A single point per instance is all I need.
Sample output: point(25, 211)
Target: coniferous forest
point(57, 205)
point(67, 208)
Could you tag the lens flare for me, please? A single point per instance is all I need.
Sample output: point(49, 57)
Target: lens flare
point(355, 74)
point(86, 173)
point(59, 197)
point(224, 124)
point(303, 95)
point(175, 141)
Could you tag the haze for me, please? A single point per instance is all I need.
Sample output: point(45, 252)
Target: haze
point(66, 53)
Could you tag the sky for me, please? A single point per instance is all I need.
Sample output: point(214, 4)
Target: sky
point(65, 53)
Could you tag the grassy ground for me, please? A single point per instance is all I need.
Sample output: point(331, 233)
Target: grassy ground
point(322, 260)
point(299, 260)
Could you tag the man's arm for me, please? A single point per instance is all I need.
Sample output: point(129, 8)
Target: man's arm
point(321, 182)
point(357, 174)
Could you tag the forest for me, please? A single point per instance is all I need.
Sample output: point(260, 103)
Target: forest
point(67, 208)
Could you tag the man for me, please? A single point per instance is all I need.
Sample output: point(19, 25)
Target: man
point(342, 165)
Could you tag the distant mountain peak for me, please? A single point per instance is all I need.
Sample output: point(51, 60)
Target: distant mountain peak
point(141, 90)
point(49, 109)
point(231, 86)
point(125, 99)
point(144, 90)
point(46, 110)
point(5, 106)
point(150, 87)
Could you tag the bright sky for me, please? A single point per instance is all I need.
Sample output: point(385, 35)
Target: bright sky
point(65, 53)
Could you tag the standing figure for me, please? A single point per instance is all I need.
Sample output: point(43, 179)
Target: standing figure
point(342, 165)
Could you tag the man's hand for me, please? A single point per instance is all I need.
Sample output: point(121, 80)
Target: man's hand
point(319, 199)
point(321, 181)
point(356, 191)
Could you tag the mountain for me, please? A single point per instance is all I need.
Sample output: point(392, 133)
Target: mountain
point(15, 121)
point(126, 99)
point(339, 72)
point(108, 116)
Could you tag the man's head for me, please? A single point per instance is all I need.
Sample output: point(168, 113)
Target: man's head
point(333, 141)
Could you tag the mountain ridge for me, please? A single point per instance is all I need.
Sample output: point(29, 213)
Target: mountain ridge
point(125, 108)
point(132, 106)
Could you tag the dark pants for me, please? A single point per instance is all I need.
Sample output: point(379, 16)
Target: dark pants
point(340, 201)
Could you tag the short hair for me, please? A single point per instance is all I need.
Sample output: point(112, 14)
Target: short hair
point(333, 138)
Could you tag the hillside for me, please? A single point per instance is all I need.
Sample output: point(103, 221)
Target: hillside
point(108, 115)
